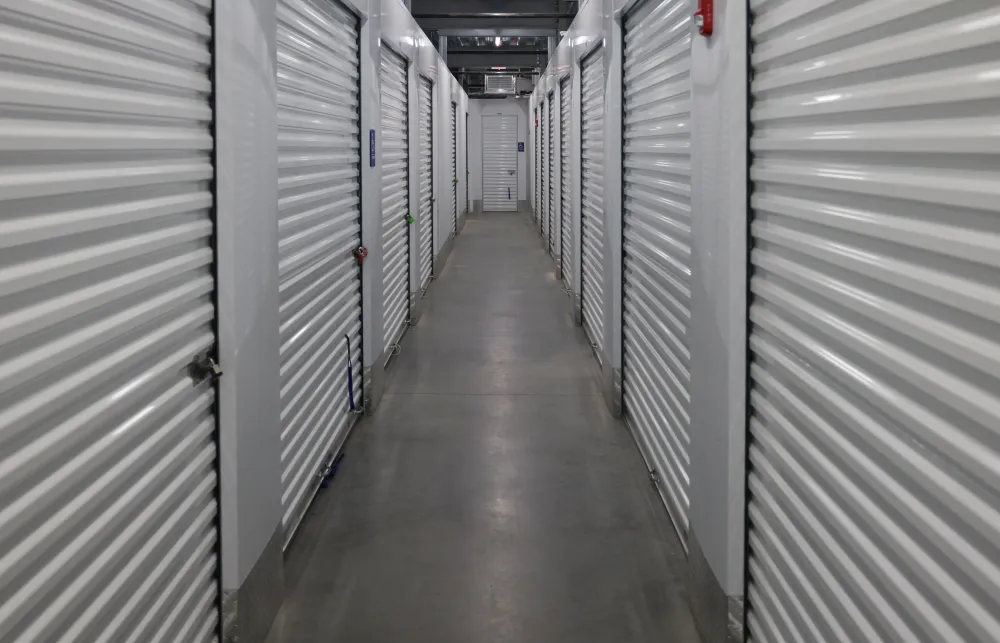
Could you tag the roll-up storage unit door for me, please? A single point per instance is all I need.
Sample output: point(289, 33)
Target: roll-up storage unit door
point(656, 277)
point(565, 198)
point(454, 171)
point(537, 171)
point(395, 197)
point(426, 187)
point(108, 452)
point(319, 227)
point(592, 199)
point(499, 163)
point(550, 196)
point(466, 205)
point(874, 472)
point(544, 221)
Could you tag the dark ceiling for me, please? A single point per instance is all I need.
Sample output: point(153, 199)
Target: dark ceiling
point(484, 35)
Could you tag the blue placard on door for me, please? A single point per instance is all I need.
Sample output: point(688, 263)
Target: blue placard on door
point(371, 148)
point(520, 146)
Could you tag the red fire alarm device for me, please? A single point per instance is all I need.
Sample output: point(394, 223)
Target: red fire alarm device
point(703, 17)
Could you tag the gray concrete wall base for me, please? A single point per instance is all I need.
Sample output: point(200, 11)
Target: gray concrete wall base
point(249, 612)
point(719, 617)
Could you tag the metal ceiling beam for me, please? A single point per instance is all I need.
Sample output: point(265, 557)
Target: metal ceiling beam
point(504, 24)
point(512, 32)
point(488, 16)
point(495, 51)
point(510, 71)
point(509, 59)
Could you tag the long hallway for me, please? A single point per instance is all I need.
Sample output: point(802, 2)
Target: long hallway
point(491, 498)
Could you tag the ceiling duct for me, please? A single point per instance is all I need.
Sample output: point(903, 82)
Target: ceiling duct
point(500, 84)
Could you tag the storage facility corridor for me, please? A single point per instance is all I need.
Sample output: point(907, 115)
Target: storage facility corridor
point(491, 497)
point(594, 321)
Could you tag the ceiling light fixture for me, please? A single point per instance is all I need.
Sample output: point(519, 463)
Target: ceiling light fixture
point(497, 41)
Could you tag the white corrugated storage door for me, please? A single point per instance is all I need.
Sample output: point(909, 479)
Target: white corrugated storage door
point(656, 278)
point(107, 439)
point(543, 224)
point(465, 162)
point(499, 163)
point(592, 199)
point(454, 171)
point(536, 170)
point(538, 166)
point(875, 373)
point(319, 227)
point(565, 198)
point(395, 198)
point(426, 177)
point(550, 196)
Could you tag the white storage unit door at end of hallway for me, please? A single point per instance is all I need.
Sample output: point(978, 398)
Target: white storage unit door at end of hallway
point(395, 198)
point(453, 179)
point(550, 227)
point(108, 454)
point(592, 199)
point(319, 227)
point(874, 471)
point(426, 186)
point(565, 195)
point(656, 276)
point(499, 163)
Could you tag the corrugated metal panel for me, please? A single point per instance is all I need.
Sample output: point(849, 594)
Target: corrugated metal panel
point(107, 446)
point(465, 205)
point(657, 242)
point(454, 171)
point(543, 223)
point(875, 400)
point(426, 178)
point(565, 197)
point(395, 198)
point(319, 227)
point(592, 201)
point(550, 138)
point(499, 163)
point(537, 178)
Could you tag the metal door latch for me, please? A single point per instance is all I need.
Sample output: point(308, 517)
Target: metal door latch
point(203, 367)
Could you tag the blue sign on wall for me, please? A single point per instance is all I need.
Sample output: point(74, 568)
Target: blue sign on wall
point(520, 146)
point(371, 148)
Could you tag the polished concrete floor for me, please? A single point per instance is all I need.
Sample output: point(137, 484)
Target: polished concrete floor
point(491, 498)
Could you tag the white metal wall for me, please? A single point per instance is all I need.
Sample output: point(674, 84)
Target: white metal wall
point(107, 441)
point(499, 163)
point(565, 197)
point(656, 278)
point(395, 197)
point(454, 171)
point(426, 178)
point(550, 161)
point(319, 227)
point(875, 400)
point(592, 199)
